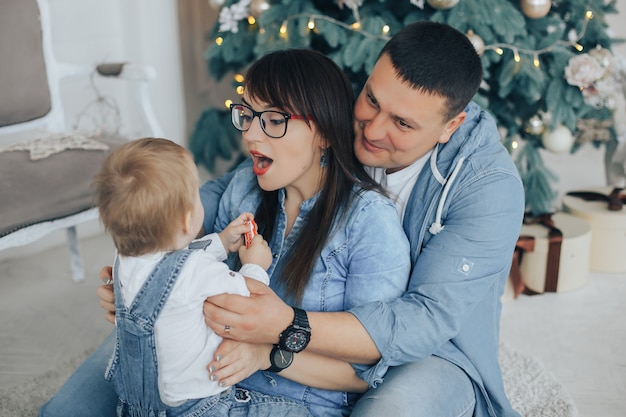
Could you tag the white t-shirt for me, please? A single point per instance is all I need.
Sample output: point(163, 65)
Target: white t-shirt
point(185, 344)
point(399, 184)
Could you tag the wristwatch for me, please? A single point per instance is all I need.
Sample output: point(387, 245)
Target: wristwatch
point(297, 335)
point(280, 359)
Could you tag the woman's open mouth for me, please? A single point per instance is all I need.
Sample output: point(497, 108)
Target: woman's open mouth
point(261, 163)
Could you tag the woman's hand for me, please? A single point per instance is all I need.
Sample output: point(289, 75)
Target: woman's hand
point(259, 318)
point(105, 293)
point(235, 361)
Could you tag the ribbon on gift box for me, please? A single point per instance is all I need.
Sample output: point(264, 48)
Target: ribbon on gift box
point(525, 243)
point(616, 199)
point(555, 238)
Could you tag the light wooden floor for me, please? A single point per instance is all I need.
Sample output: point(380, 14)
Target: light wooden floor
point(580, 335)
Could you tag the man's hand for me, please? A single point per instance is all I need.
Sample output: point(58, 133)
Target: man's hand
point(105, 293)
point(259, 318)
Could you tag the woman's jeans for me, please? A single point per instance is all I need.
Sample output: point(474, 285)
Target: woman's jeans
point(415, 389)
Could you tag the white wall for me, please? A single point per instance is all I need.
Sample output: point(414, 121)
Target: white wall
point(139, 31)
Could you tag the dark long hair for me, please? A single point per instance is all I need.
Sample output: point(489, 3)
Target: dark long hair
point(302, 81)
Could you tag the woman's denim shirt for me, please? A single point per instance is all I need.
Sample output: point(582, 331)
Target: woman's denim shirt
point(365, 259)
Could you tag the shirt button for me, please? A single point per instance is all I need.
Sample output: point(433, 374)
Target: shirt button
point(275, 256)
point(465, 268)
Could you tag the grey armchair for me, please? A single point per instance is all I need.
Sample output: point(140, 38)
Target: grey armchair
point(38, 196)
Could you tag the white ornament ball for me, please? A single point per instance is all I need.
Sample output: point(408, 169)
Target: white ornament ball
point(257, 7)
point(442, 4)
point(216, 4)
point(535, 9)
point(559, 140)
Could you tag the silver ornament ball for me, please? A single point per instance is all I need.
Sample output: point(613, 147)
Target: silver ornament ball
point(535, 9)
point(257, 7)
point(476, 41)
point(442, 4)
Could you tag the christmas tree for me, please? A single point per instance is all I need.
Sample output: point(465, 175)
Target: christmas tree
point(550, 77)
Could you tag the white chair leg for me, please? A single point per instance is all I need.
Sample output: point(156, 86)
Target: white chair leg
point(76, 260)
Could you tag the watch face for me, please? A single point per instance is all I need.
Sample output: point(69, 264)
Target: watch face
point(296, 340)
point(282, 358)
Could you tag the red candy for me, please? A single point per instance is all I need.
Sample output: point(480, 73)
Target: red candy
point(248, 236)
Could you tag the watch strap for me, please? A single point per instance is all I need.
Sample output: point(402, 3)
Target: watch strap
point(300, 319)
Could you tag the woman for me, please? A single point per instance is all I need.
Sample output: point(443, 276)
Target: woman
point(336, 240)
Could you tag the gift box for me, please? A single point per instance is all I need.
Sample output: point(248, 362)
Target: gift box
point(603, 208)
point(551, 255)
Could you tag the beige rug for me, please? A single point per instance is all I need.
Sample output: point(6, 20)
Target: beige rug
point(532, 389)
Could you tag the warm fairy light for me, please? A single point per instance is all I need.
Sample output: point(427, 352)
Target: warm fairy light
point(238, 77)
point(251, 20)
point(579, 47)
point(516, 56)
point(240, 90)
point(283, 30)
point(499, 51)
point(514, 144)
point(536, 61)
point(386, 29)
point(311, 24)
point(227, 103)
point(219, 40)
point(589, 14)
point(356, 25)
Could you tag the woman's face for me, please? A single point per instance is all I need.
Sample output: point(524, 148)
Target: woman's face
point(292, 161)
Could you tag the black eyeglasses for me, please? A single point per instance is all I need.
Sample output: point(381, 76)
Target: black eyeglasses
point(273, 123)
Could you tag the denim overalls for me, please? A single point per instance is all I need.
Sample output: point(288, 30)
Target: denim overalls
point(133, 369)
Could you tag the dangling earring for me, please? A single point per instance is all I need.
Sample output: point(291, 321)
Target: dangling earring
point(323, 161)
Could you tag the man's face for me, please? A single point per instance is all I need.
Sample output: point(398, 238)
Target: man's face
point(395, 124)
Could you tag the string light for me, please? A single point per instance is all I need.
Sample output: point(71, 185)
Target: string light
point(219, 40)
point(283, 30)
point(240, 90)
point(227, 103)
point(238, 77)
point(498, 48)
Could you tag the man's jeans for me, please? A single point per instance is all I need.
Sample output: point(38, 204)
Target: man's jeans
point(428, 388)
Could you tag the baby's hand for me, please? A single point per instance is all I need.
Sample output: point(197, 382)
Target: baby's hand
point(258, 253)
point(231, 236)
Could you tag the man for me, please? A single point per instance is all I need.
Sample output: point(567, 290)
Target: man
point(434, 351)
point(462, 205)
